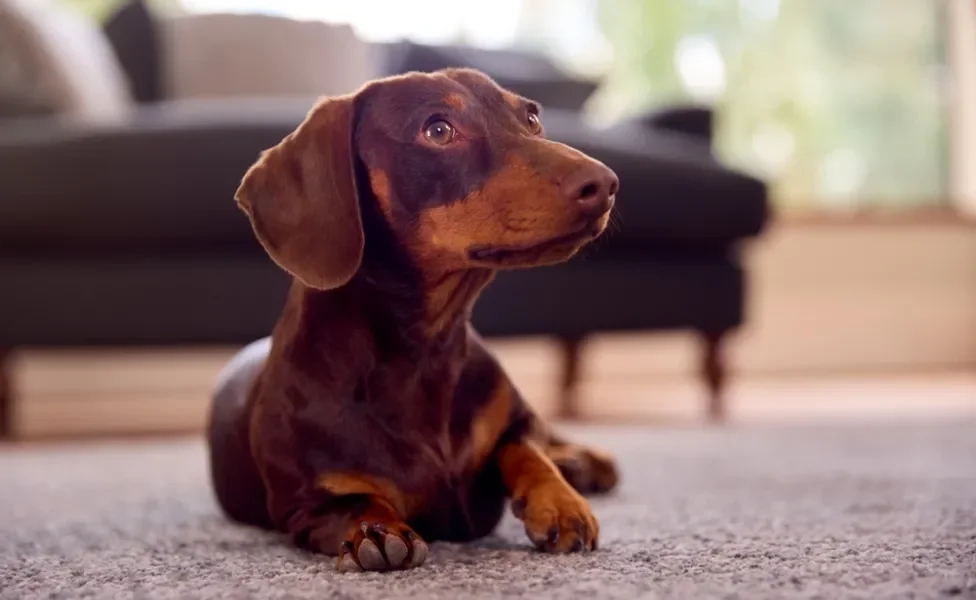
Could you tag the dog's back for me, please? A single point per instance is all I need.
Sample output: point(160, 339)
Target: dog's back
point(236, 481)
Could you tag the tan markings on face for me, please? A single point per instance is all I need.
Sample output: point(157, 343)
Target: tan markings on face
point(348, 484)
point(516, 206)
point(490, 423)
point(604, 221)
point(380, 183)
point(455, 101)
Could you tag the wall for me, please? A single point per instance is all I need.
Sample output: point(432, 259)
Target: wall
point(838, 299)
point(962, 56)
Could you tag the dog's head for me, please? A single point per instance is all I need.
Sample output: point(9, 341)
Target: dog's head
point(457, 167)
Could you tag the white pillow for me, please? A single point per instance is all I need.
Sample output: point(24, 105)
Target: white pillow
point(54, 59)
point(224, 55)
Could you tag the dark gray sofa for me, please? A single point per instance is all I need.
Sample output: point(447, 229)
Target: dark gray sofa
point(128, 235)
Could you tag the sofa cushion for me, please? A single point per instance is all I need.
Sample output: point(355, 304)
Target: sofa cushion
point(220, 299)
point(702, 292)
point(223, 55)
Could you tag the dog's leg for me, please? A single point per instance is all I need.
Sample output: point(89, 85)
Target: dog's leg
point(379, 540)
point(358, 518)
point(556, 517)
point(587, 469)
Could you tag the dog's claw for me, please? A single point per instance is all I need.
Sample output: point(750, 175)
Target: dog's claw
point(552, 536)
point(347, 562)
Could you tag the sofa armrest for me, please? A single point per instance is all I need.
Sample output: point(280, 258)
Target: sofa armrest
point(673, 190)
point(696, 121)
point(164, 180)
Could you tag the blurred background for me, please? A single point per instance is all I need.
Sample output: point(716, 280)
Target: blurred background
point(796, 225)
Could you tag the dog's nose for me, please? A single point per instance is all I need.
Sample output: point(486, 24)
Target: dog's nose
point(592, 187)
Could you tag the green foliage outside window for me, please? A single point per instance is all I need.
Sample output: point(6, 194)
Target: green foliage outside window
point(99, 10)
point(839, 103)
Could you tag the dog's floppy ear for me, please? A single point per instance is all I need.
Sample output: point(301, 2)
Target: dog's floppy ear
point(302, 200)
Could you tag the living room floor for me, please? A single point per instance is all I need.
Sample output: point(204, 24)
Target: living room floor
point(834, 488)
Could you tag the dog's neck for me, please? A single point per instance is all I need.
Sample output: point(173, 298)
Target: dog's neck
point(426, 305)
point(449, 297)
point(427, 299)
point(386, 323)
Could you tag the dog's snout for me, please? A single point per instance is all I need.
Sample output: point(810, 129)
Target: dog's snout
point(592, 187)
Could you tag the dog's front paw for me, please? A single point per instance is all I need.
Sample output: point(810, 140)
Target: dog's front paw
point(557, 518)
point(376, 546)
point(589, 471)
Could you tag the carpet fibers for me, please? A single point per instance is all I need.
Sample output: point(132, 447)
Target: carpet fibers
point(853, 511)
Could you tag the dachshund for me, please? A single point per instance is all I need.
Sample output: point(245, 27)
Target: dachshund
point(374, 419)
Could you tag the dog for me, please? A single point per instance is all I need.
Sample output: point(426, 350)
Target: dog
point(374, 419)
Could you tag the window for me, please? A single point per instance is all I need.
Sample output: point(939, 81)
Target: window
point(839, 103)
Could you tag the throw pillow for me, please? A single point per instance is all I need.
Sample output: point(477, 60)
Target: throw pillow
point(53, 60)
point(132, 31)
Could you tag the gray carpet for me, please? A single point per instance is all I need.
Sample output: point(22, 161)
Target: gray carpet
point(750, 512)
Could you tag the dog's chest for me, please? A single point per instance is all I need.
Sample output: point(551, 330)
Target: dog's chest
point(411, 425)
point(420, 392)
point(430, 415)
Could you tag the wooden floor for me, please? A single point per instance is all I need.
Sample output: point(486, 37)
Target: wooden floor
point(85, 393)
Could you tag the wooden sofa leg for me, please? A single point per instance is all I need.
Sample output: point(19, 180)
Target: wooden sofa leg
point(572, 352)
point(6, 393)
point(714, 372)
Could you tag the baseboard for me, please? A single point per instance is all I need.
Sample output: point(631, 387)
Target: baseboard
point(835, 299)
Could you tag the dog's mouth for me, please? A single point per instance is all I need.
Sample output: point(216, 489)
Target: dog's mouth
point(564, 244)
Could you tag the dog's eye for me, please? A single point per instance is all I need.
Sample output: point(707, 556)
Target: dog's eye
point(535, 124)
point(440, 133)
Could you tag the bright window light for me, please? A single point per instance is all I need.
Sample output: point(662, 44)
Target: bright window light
point(487, 24)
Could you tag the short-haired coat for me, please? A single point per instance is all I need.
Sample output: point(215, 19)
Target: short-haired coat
point(374, 417)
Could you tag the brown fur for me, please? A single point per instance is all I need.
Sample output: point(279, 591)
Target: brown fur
point(374, 417)
point(455, 101)
point(490, 424)
point(556, 517)
point(358, 484)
